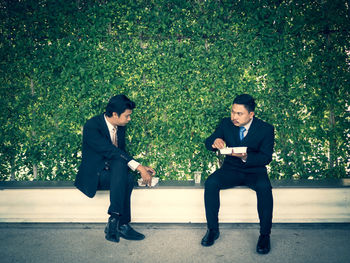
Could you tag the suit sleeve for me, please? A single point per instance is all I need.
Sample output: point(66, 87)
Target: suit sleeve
point(93, 137)
point(218, 133)
point(263, 156)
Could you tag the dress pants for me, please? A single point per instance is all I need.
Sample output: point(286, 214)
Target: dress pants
point(228, 177)
point(116, 177)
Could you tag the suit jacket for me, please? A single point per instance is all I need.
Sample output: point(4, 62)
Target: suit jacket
point(97, 151)
point(259, 140)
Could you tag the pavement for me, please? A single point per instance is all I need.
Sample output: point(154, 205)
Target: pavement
point(76, 242)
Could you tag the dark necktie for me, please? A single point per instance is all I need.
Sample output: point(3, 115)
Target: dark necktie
point(114, 137)
point(241, 132)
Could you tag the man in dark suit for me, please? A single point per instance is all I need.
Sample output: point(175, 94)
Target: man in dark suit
point(105, 165)
point(242, 129)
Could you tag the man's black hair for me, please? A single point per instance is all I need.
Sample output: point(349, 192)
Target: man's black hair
point(119, 104)
point(246, 100)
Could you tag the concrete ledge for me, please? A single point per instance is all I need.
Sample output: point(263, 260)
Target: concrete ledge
point(169, 204)
point(286, 183)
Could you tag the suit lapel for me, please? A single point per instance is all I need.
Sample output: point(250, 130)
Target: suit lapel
point(104, 127)
point(105, 131)
point(236, 134)
point(252, 130)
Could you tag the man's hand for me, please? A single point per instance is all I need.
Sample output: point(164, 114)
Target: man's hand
point(243, 156)
point(146, 173)
point(218, 143)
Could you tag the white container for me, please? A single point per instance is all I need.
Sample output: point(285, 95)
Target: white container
point(240, 149)
point(230, 150)
point(226, 150)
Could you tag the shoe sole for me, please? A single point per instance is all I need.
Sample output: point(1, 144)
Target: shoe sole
point(121, 235)
point(133, 239)
point(112, 239)
point(263, 252)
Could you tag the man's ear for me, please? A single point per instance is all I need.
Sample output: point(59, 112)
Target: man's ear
point(251, 114)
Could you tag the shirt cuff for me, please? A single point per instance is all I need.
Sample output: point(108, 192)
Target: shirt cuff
point(133, 165)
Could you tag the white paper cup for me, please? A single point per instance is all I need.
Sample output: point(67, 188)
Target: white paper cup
point(197, 177)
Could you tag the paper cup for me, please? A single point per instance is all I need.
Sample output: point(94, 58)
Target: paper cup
point(197, 177)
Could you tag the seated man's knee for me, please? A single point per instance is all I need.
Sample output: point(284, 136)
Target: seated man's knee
point(263, 187)
point(211, 183)
point(119, 163)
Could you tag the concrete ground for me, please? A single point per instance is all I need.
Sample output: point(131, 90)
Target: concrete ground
point(74, 243)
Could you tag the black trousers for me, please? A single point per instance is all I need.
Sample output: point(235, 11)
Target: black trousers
point(116, 178)
point(227, 177)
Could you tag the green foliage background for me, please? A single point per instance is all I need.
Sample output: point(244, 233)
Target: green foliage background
point(182, 62)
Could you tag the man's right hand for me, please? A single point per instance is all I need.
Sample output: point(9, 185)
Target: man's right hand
point(146, 174)
point(218, 143)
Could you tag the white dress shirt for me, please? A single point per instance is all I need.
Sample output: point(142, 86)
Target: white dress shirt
point(247, 126)
point(132, 164)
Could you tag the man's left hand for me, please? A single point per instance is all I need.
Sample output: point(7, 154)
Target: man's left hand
point(151, 171)
point(146, 173)
point(243, 156)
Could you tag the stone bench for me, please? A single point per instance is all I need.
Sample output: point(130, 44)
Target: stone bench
point(304, 201)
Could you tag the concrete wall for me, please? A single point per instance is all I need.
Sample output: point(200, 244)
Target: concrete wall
point(175, 205)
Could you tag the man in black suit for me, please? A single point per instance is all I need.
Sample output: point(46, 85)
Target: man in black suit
point(105, 165)
point(242, 129)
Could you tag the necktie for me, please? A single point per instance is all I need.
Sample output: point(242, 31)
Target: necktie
point(241, 132)
point(114, 137)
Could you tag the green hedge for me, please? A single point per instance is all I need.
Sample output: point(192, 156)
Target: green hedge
point(182, 62)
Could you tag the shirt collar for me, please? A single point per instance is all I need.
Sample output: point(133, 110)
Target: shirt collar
point(247, 126)
point(109, 125)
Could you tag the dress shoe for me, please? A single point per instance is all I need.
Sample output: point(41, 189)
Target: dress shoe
point(210, 237)
point(127, 232)
point(263, 246)
point(111, 230)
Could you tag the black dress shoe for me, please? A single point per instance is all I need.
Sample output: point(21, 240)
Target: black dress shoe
point(111, 230)
point(263, 246)
point(210, 237)
point(127, 232)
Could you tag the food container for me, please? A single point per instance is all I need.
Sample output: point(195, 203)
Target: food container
point(155, 181)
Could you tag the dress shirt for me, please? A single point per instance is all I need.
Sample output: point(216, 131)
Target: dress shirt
point(132, 164)
point(247, 126)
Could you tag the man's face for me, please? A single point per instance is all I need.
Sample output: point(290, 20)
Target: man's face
point(240, 115)
point(123, 119)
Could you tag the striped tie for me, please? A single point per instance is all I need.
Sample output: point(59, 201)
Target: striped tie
point(114, 137)
point(241, 132)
